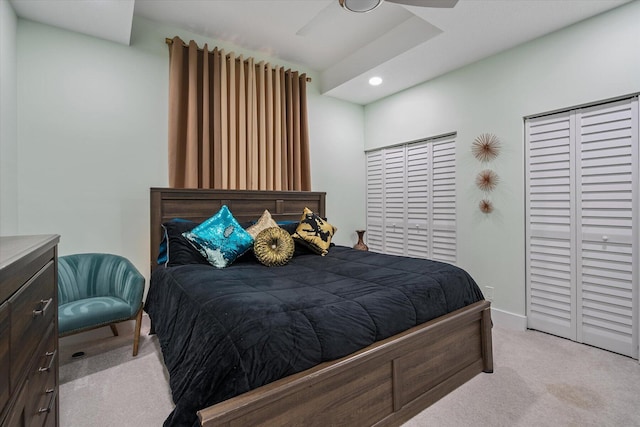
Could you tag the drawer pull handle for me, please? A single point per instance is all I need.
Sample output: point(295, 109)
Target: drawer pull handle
point(48, 368)
point(45, 305)
point(51, 400)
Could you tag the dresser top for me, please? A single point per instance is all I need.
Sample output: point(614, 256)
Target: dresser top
point(13, 248)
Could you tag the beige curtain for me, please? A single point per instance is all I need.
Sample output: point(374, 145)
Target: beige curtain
point(235, 123)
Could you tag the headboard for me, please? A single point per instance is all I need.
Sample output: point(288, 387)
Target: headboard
point(245, 205)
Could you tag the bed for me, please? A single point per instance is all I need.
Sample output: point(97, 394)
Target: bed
point(387, 382)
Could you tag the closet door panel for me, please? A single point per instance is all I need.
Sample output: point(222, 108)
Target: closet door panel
point(374, 201)
point(394, 201)
point(608, 182)
point(551, 265)
point(443, 188)
point(418, 195)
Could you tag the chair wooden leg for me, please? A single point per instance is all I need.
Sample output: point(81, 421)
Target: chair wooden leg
point(114, 329)
point(136, 334)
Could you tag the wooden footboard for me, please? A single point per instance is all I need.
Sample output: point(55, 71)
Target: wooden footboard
point(384, 384)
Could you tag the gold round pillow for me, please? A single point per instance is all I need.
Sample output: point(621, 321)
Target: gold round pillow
point(273, 246)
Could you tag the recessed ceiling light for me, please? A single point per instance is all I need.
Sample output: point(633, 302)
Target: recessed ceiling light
point(375, 81)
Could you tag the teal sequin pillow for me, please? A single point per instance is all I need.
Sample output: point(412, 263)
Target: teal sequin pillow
point(220, 239)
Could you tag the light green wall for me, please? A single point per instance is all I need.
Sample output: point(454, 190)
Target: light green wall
point(590, 61)
point(8, 122)
point(92, 125)
point(91, 131)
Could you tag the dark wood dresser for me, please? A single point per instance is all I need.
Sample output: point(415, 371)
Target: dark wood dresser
point(29, 331)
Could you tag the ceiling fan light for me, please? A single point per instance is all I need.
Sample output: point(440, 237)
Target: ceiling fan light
point(359, 6)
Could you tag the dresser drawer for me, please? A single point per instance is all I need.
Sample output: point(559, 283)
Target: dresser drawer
point(32, 311)
point(4, 357)
point(43, 379)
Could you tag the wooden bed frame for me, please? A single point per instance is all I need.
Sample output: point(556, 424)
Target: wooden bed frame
point(384, 384)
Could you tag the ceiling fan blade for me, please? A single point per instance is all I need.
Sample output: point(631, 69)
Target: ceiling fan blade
point(426, 3)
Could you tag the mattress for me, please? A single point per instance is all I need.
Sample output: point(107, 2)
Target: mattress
point(226, 331)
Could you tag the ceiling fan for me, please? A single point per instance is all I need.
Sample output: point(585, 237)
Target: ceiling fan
point(363, 6)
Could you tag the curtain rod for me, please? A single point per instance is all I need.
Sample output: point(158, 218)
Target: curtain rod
point(169, 41)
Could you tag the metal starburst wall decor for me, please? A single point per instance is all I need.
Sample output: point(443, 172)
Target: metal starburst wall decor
point(486, 147)
point(487, 180)
point(486, 206)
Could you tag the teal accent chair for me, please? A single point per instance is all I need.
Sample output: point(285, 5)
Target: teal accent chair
point(96, 290)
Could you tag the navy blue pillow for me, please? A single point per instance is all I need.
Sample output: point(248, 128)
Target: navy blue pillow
point(162, 251)
point(179, 250)
point(290, 226)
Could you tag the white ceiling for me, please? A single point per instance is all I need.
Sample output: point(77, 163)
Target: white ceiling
point(405, 45)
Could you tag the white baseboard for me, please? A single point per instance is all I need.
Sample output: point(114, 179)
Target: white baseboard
point(507, 320)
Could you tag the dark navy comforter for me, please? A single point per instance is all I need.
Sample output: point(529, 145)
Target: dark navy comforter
point(226, 331)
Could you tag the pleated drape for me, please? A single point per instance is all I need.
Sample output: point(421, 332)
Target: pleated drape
point(235, 123)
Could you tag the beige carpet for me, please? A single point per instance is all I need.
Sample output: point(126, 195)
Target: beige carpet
point(542, 380)
point(539, 380)
point(108, 387)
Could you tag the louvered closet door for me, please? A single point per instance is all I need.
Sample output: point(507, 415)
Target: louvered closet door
point(394, 201)
point(418, 178)
point(443, 189)
point(608, 181)
point(411, 199)
point(551, 262)
point(375, 193)
point(582, 225)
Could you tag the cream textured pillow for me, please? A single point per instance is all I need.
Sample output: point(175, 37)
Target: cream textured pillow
point(263, 223)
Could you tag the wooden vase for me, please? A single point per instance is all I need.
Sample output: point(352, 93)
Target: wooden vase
point(360, 245)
